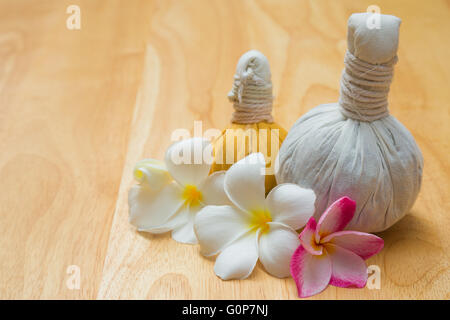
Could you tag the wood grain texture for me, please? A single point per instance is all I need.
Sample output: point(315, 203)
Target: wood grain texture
point(79, 108)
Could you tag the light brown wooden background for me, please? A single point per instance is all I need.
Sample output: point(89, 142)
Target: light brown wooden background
point(78, 108)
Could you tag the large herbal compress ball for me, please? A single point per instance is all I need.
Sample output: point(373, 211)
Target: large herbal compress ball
point(355, 147)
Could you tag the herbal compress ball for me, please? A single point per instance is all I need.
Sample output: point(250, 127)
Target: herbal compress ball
point(252, 128)
point(355, 147)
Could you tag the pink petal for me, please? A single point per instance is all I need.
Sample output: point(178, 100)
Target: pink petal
point(336, 217)
point(348, 269)
point(363, 244)
point(308, 239)
point(311, 273)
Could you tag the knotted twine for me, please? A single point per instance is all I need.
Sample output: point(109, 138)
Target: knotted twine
point(365, 88)
point(251, 96)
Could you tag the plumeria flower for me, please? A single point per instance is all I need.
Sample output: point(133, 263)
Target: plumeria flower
point(253, 226)
point(328, 255)
point(170, 193)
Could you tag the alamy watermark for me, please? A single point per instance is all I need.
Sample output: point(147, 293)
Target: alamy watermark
point(374, 19)
point(73, 22)
point(248, 139)
point(73, 282)
point(374, 277)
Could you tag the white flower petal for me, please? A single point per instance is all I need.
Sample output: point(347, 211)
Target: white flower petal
point(150, 208)
point(187, 161)
point(152, 173)
point(178, 219)
point(238, 260)
point(276, 248)
point(244, 182)
point(218, 226)
point(213, 190)
point(290, 204)
point(184, 232)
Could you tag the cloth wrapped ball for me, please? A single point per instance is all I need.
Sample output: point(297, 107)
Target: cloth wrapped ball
point(355, 148)
point(252, 128)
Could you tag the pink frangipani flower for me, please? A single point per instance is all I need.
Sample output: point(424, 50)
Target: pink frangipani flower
point(329, 255)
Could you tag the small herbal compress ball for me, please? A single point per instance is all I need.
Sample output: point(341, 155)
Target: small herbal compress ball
point(252, 128)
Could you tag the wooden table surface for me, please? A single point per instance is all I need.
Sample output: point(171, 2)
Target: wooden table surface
point(79, 107)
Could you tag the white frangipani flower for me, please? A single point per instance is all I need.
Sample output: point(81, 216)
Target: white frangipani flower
point(253, 226)
point(170, 193)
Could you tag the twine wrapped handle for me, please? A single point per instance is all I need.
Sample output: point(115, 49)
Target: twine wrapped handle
point(365, 88)
point(369, 67)
point(251, 94)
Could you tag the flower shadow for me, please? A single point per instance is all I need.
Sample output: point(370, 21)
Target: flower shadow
point(413, 253)
point(410, 226)
point(154, 236)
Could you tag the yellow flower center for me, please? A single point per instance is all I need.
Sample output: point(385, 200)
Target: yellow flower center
point(138, 174)
point(191, 196)
point(260, 219)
